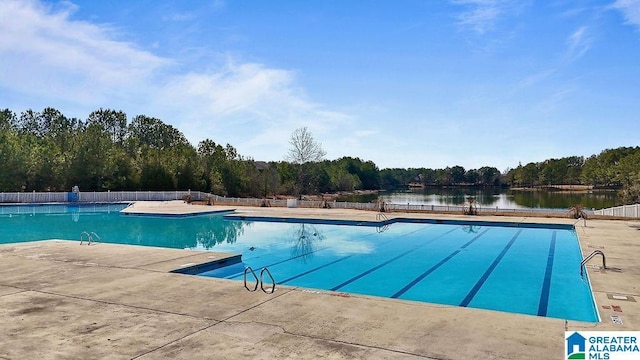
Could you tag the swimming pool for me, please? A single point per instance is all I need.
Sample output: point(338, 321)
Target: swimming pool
point(527, 270)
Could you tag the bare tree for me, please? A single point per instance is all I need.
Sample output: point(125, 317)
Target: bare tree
point(304, 148)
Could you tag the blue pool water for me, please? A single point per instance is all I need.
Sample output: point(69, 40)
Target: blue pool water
point(527, 270)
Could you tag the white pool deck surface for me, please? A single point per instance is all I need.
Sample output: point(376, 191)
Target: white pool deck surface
point(61, 300)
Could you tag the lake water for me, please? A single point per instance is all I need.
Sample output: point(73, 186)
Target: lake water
point(502, 198)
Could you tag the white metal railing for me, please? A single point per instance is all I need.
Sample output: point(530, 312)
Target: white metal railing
point(388, 206)
point(630, 211)
point(460, 209)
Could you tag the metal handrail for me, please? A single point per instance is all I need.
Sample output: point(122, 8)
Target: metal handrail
point(248, 268)
point(583, 219)
point(91, 237)
point(382, 217)
point(94, 237)
point(273, 282)
point(88, 238)
point(586, 259)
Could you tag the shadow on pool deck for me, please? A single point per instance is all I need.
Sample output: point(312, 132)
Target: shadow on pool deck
point(62, 300)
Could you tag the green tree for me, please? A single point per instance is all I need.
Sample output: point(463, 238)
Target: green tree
point(456, 174)
point(472, 176)
point(8, 120)
point(12, 154)
point(212, 158)
point(91, 162)
point(489, 176)
point(112, 121)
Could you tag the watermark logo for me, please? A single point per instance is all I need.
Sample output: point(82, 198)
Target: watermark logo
point(575, 346)
point(602, 345)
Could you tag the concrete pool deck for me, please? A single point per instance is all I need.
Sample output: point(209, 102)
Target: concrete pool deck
point(62, 300)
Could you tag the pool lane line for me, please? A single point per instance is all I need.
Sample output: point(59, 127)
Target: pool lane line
point(465, 302)
point(337, 260)
point(316, 250)
point(284, 261)
point(281, 261)
point(361, 275)
point(321, 266)
point(546, 284)
point(315, 269)
point(435, 267)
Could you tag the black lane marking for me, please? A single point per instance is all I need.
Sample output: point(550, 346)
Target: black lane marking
point(546, 284)
point(389, 261)
point(434, 267)
point(465, 302)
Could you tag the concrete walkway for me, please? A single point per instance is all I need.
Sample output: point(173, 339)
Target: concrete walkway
point(60, 300)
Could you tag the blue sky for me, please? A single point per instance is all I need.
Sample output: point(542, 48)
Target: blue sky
point(402, 83)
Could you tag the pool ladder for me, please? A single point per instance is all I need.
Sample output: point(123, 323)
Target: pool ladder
point(381, 217)
point(591, 256)
point(260, 280)
point(583, 219)
point(89, 237)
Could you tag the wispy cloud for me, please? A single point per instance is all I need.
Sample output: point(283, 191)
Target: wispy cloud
point(365, 133)
point(179, 17)
point(218, 4)
point(46, 54)
point(534, 79)
point(555, 99)
point(265, 100)
point(578, 43)
point(630, 10)
point(480, 16)
point(50, 59)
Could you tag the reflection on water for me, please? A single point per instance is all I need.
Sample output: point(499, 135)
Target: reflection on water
point(216, 230)
point(202, 232)
point(494, 197)
point(471, 229)
point(305, 238)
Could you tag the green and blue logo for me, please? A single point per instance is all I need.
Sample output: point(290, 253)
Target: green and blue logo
point(576, 345)
point(602, 345)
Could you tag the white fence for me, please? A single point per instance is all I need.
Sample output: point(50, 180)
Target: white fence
point(129, 196)
point(630, 211)
point(95, 197)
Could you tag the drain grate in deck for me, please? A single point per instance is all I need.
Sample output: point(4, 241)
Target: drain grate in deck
point(621, 297)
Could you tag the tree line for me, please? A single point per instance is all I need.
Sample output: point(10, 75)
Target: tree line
point(47, 151)
point(618, 167)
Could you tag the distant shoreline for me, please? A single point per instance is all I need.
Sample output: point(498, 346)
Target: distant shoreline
point(564, 188)
point(561, 188)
